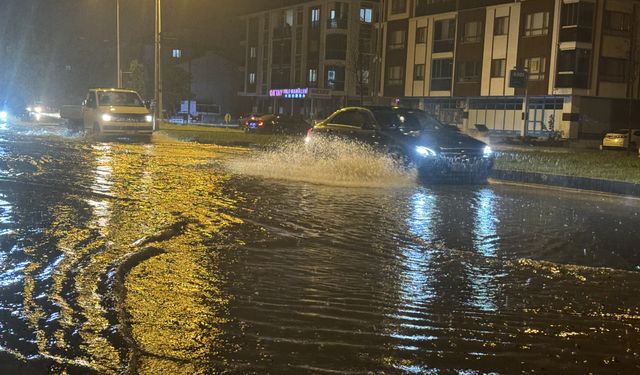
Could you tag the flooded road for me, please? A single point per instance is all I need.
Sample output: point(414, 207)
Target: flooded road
point(178, 258)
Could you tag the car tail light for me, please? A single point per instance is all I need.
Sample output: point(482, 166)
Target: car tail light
point(307, 139)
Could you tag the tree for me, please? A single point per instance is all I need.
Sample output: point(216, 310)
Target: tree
point(134, 78)
point(359, 66)
point(176, 86)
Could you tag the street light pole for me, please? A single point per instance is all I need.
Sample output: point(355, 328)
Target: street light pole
point(158, 60)
point(119, 72)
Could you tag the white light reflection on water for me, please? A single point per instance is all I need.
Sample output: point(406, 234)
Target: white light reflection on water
point(485, 233)
point(102, 184)
point(415, 289)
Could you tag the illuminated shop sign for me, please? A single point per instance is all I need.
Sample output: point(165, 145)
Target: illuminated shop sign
point(289, 93)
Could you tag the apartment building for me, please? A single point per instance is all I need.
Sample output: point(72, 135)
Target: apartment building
point(312, 58)
point(454, 57)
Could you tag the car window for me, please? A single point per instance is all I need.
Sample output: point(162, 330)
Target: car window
point(350, 117)
point(115, 98)
point(407, 120)
point(637, 133)
point(91, 100)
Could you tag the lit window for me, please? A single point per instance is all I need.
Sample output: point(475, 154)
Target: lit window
point(252, 52)
point(252, 78)
point(537, 67)
point(313, 75)
point(176, 53)
point(315, 15)
point(366, 15)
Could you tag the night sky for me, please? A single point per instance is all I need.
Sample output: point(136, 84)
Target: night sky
point(53, 46)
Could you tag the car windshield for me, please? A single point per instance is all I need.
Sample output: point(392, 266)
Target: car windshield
point(119, 99)
point(407, 120)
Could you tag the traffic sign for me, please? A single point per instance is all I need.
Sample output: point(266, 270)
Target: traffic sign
point(518, 79)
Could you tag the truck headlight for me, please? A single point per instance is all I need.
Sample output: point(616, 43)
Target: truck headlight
point(487, 152)
point(107, 117)
point(4, 116)
point(425, 151)
point(148, 118)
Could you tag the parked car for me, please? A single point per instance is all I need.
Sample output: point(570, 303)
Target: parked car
point(438, 151)
point(276, 124)
point(621, 139)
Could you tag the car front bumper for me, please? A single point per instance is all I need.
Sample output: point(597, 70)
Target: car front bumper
point(127, 128)
point(450, 166)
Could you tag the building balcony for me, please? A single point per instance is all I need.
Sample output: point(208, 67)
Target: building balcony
point(440, 46)
point(576, 34)
point(573, 80)
point(282, 32)
point(337, 24)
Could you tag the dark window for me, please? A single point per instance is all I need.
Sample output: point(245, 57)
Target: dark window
point(421, 35)
point(398, 6)
point(498, 68)
point(336, 48)
point(444, 34)
point(350, 117)
point(396, 39)
point(418, 72)
point(472, 32)
point(441, 74)
point(617, 21)
point(395, 75)
point(576, 22)
point(613, 70)
point(469, 72)
point(537, 24)
point(501, 26)
point(573, 68)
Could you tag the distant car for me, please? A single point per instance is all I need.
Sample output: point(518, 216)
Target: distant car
point(621, 139)
point(276, 124)
point(439, 151)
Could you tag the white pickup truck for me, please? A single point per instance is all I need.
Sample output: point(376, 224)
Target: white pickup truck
point(110, 112)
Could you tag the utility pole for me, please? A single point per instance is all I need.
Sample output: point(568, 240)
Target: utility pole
point(119, 72)
point(158, 65)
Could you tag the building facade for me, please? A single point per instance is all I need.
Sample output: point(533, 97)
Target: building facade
point(453, 58)
point(311, 58)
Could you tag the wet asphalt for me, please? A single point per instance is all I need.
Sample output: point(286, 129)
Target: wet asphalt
point(118, 256)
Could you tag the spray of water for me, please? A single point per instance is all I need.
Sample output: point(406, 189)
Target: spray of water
point(328, 162)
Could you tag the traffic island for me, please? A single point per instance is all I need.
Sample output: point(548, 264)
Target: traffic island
point(606, 172)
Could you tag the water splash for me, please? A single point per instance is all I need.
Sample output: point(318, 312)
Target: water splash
point(327, 162)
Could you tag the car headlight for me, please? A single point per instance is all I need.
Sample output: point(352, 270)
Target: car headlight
point(4, 116)
point(487, 152)
point(37, 109)
point(425, 151)
point(148, 118)
point(107, 117)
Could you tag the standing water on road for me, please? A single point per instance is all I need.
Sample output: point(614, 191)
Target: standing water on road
point(183, 258)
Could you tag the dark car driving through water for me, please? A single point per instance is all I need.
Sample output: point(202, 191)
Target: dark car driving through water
point(276, 124)
point(438, 151)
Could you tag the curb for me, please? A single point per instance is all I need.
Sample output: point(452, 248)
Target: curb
point(571, 182)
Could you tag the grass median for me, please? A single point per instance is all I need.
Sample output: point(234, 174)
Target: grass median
point(608, 165)
point(222, 136)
